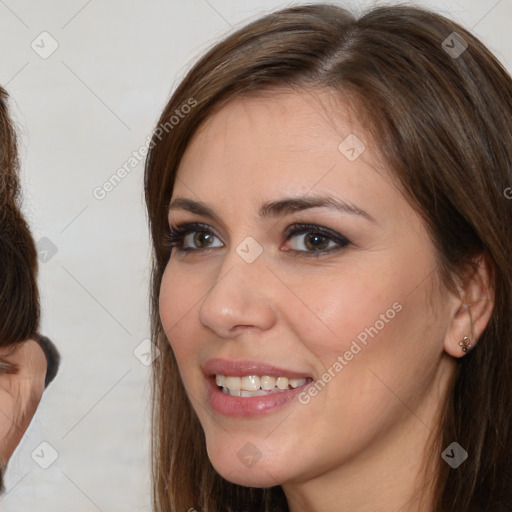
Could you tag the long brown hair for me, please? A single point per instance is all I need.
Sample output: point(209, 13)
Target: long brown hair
point(443, 123)
point(19, 297)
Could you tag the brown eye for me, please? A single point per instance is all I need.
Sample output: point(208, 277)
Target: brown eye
point(313, 241)
point(191, 237)
point(201, 239)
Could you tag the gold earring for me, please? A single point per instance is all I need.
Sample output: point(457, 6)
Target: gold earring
point(467, 343)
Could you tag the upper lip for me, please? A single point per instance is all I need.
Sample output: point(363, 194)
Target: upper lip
point(241, 368)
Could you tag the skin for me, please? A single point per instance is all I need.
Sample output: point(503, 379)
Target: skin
point(357, 445)
point(20, 394)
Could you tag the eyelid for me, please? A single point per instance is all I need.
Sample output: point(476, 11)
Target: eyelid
point(338, 239)
point(187, 227)
point(301, 228)
point(179, 231)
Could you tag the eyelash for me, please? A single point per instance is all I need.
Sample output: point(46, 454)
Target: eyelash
point(175, 238)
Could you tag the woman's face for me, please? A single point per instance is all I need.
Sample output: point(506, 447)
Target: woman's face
point(20, 393)
point(346, 303)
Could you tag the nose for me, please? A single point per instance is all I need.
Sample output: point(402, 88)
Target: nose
point(240, 298)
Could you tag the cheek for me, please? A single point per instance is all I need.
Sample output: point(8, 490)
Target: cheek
point(367, 331)
point(9, 436)
point(337, 306)
point(21, 408)
point(179, 301)
point(177, 297)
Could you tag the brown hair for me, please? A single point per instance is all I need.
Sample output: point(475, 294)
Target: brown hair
point(19, 298)
point(443, 125)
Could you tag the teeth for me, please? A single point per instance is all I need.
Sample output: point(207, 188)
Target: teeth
point(267, 382)
point(258, 392)
point(233, 383)
point(253, 385)
point(250, 383)
point(295, 383)
point(282, 382)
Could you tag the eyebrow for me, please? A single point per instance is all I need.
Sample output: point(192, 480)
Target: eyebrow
point(276, 208)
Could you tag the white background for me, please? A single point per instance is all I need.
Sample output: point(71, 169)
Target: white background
point(82, 112)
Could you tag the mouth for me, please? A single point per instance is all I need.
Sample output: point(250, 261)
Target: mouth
point(257, 385)
point(248, 388)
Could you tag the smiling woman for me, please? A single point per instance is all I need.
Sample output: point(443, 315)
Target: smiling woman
point(329, 222)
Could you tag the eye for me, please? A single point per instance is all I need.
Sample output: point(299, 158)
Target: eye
point(190, 237)
point(315, 240)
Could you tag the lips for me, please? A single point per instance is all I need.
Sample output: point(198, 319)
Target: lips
point(250, 403)
point(214, 367)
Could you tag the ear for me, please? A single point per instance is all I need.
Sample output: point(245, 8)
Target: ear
point(472, 309)
point(22, 377)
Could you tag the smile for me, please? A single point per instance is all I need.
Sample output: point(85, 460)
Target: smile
point(246, 388)
point(255, 385)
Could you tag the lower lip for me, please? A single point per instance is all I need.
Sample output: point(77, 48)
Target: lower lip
point(249, 406)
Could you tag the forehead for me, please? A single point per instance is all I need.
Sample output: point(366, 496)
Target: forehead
point(282, 121)
point(281, 142)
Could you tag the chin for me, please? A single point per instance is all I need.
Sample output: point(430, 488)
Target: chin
point(252, 473)
point(248, 477)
